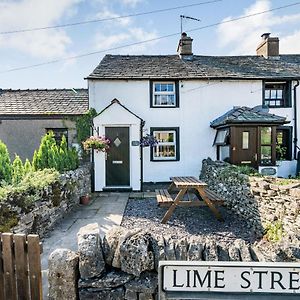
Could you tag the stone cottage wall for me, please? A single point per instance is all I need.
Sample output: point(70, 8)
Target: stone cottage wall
point(124, 264)
point(258, 200)
point(55, 202)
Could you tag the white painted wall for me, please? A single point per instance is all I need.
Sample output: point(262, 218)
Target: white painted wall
point(201, 101)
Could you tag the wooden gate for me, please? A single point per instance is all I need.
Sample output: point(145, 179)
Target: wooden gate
point(20, 267)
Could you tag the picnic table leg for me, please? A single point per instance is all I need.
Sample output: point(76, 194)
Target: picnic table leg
point(171, 187)
point(170, 211)
point(210, 204)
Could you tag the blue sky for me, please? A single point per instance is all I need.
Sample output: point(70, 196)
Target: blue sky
point(24, 49)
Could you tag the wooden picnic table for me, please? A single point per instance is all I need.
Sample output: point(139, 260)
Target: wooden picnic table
point(184, 185)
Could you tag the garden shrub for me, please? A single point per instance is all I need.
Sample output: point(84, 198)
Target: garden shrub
point(5, 164)
point(17, 170)
point(51, 155)
point(30, 187)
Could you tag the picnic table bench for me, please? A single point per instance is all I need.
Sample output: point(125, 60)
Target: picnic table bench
point(184, 185)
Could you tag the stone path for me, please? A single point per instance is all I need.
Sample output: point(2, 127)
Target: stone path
point(106, 209)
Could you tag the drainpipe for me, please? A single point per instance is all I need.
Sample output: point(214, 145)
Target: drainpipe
point(141, 155)
point(295, 120)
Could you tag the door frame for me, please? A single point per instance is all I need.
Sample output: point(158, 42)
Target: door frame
point(129, 163)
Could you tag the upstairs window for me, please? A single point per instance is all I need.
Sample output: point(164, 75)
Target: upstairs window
point(164, 94)
point(277, 94)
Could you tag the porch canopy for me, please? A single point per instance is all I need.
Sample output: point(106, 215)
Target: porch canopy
point(247, 136)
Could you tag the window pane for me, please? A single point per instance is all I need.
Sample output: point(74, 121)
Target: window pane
point(164, 87)
point(221, 137)
point(279, 94)
point(273, 94)
point(164, 137)
point(157, 87)
point(267, 94)
point(245, 140)
point(170, 87)
point(266, 135)
point(171, 99)
point(157, 100)
point(279, 137)
point(164, 151)
point(266, 155)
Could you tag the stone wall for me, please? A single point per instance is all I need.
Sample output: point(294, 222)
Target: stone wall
point(258, 200)
point(124, 264)
point(56, 200)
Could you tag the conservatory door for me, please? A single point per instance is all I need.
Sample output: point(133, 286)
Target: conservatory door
point(244, 146)
point(117, 157)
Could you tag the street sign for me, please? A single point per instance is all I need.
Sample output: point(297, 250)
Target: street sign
point(224, 278)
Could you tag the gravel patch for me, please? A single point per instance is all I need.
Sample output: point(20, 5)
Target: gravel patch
point(186, 222)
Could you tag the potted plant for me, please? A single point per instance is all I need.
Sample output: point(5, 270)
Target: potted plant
point(85, 199)
point(98, 143)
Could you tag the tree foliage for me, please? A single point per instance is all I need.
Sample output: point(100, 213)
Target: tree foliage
point(5, 164)
point(50, 155)
point(17, 170)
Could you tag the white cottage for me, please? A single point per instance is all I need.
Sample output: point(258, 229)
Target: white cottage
point(239, 108)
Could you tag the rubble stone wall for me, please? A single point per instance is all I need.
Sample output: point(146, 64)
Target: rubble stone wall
point(258, 200)
point(124, 264)
point(56, 200)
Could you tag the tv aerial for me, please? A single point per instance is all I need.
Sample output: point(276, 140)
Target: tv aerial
point(186, 17)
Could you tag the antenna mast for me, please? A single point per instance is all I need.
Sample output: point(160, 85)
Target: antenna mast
point(186, 17)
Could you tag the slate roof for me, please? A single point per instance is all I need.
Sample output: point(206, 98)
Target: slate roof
point(43, 102)
point(213, 67)
point(242, 115)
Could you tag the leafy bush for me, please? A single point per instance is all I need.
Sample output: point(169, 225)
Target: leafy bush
point(17, 170)
point(31, 186)
point(50, 155)
point(247, 170)
point(5, 165)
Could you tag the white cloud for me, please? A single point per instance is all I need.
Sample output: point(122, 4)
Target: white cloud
point(131, 2)
point(25, 14)
point(131, 35)
point(106, 14)
point(243, 36)
point(122, 31)
point(290, 44)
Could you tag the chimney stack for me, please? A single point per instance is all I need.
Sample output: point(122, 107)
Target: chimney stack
point(269, 46)
point(184, 48)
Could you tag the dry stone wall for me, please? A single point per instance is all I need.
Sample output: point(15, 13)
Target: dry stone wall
point(258, 200)
point(124, 264)
point(56, 200)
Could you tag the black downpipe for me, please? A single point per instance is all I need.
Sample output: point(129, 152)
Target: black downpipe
point(295, 121)
point(142, 155)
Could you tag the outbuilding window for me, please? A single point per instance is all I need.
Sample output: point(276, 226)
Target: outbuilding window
point(164, 94)
point(58, 134)
point(167, 148)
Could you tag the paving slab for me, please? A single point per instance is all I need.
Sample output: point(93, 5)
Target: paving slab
point(106, 209)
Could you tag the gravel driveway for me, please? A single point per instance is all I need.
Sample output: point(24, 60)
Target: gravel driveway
point(191, 222)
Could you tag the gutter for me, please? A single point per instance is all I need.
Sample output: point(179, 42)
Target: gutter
point(295, 120)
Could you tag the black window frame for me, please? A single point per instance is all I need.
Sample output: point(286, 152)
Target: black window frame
point(61, 131)
point(288, 141)
point(177, 143)
point(286, 93)
point(151, 85)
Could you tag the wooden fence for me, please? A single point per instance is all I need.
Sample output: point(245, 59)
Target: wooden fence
point(20, 267)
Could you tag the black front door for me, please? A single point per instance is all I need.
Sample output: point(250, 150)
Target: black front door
point(117, 161)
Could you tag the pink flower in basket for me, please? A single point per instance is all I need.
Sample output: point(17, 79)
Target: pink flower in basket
point(98, 143)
